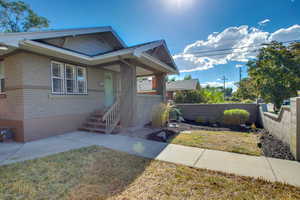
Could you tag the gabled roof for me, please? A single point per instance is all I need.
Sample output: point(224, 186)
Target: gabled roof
point(13, 39)
point(182, 85)
point(31, 41)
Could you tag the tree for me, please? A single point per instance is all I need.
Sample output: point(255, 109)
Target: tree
point(246, 90)
point(276, 72)
point(213, 95)
point(191, 96)
point(17, 16)
point(228, 92)
point(188, 77)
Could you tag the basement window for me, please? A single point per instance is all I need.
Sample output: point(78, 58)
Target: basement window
point(68, 79)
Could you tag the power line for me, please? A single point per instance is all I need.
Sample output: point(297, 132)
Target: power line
point(237, 48)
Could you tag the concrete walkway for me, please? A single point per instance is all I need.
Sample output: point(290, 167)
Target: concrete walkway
point(267, 168)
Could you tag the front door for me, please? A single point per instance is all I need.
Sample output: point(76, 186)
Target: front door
point(108, 89)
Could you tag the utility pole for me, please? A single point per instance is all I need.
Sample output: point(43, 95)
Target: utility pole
point(224, 79)
point(240, 68)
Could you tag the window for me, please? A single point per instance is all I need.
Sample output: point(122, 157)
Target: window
point(2, 77)
point(81, 80)
point(57, 77)
point(68, 79)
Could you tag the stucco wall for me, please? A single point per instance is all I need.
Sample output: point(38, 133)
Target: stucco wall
point(278, 125)
point(285, 125)
point(145, 104)
point(214, 112)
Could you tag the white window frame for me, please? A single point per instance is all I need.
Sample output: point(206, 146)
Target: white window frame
point(61, 77)
point(74, 78)
point(64, 79)
point(85, 80)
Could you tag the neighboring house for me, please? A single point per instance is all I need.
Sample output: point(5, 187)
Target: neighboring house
point(146, 86)
point(53, 82)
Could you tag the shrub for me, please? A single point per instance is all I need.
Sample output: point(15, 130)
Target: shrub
point(174, 113)
point(160, 115)
point(235, 117)
point(247, 101)
point(199, 119)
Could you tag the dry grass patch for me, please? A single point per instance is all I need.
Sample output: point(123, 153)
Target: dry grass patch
point(237, 142)
point(100, 173)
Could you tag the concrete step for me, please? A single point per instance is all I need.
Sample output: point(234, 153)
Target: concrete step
point(95, 124)
point(90, 129)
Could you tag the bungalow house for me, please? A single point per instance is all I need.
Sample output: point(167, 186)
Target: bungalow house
point(147, 86)
point(57, 81)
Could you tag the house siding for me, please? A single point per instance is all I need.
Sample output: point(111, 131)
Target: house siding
point(30, 101)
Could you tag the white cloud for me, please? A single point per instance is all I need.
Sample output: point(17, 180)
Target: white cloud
point(264, 22)
point(233, 44)
point(217, 84)
point(229, 84)
point(291, 33)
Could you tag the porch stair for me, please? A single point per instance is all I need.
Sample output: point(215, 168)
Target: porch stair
point(103, 121)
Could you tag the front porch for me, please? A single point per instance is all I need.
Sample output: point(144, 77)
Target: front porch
point(129, 108)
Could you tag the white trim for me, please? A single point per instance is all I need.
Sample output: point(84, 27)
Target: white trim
point(159, 63)
point(61, 77)
point(14, 38)
point(85, 80)
point(123, 53)
point(64, 79)
point(74, 78)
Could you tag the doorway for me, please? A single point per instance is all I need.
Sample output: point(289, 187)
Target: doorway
point(108, 89)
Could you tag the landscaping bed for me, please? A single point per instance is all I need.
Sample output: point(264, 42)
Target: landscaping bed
point(273, 147)
point(100, 173)
point(210, 137)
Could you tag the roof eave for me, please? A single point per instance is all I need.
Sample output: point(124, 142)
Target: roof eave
point(69, 55)
point(156, 63)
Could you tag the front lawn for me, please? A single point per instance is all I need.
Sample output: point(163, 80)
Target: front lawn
point(237, 142)
point(100, 173)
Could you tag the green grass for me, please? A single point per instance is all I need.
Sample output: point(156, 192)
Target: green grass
point(100, 173)
point(237, 142)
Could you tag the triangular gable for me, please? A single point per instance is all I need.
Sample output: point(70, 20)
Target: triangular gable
point(87, 44)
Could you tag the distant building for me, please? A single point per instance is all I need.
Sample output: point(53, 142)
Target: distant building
point(147, 86)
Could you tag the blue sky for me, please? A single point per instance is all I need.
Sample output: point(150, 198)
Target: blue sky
point(188, 26)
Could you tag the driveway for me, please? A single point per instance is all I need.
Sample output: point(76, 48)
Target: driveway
point(259, 167)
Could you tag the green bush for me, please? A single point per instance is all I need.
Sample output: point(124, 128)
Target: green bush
point(174, 113)
point(247, 101)
point(199, 119)
point(160, 115)
point(235, 117)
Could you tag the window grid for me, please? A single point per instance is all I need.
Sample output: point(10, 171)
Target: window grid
point(67, 74)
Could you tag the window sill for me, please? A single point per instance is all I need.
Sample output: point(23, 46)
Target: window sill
point(72, 96)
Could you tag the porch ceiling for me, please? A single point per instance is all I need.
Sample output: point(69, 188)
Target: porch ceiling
point(141, 69)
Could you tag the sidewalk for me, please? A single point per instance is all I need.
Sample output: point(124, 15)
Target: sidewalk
point(267, 168)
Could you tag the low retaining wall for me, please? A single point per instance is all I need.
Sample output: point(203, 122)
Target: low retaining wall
point(145, 103)
point(214, 112)
point(285, 125)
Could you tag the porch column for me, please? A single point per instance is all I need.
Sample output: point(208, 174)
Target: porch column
point(161, 85)
point(128, 98)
